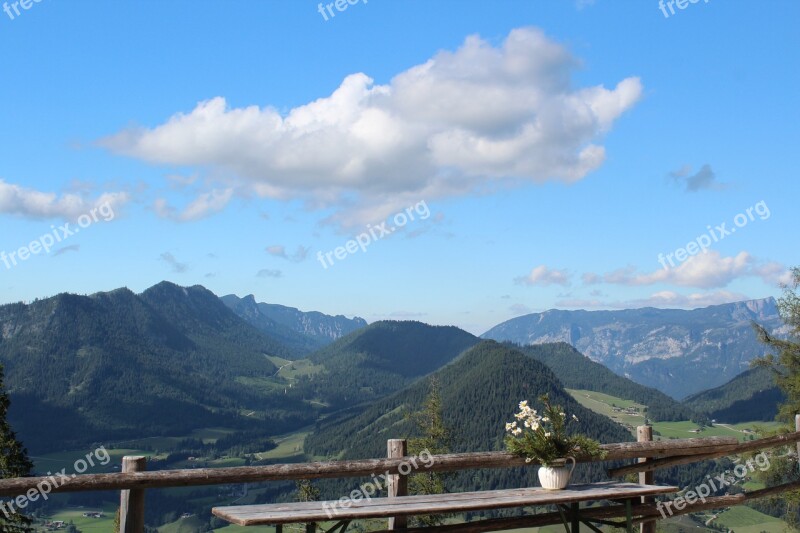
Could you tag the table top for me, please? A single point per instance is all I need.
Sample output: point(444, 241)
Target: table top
point(349, 509)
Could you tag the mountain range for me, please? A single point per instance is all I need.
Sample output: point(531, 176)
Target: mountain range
point(302, 332)
point(172, 360)
point(678, 352)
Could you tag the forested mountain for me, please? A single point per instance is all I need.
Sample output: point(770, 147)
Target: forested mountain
point(480, 392)
point(382, 358)
point(112, 365)
point(304, 332)
point(677, 352)
point(576, 371)
point(751, 395)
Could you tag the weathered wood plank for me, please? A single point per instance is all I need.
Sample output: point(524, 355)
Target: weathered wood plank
point(721, 451)
point(341, 469)
point(247, 515)
point(641, 513)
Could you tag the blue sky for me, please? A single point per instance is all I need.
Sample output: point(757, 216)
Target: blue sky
point(544, 153)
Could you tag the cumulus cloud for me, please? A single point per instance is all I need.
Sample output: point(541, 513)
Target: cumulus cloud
point(31, 203)
point(176, 265)
point(204, 205)
point(544, 276)
point(703, 179)
point(706, 270)
point(462, 121)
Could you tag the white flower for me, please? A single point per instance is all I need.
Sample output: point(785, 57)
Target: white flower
point(547, 434)
point(523, 404)
point(528, 459)
point(546, 419)
point(510, 426)
point(575, 418)
point(516, 432)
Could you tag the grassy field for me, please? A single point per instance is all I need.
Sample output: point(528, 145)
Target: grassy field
point(618, 410)
point(289, 445)
point(291, 370)
point(615, 408)
point(743, 519)
point(686, 429)
point(87, 525)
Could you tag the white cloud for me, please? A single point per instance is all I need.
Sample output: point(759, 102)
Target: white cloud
point(204, 205)
point(30, 203)
point(661, 299)
point(705, 270)
point(458, 123)
point(544, 276)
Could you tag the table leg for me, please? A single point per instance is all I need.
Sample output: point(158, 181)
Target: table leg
point(576, 523)
point(629, 515)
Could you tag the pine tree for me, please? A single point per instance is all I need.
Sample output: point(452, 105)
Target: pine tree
point(14, 463)
point(785, 365)
point(435, 440)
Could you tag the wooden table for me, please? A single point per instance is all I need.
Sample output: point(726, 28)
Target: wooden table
point(567, 500)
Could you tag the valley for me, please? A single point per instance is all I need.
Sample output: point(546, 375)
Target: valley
point(330, 395)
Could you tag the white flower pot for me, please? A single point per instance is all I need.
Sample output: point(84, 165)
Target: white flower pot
point(556, 477)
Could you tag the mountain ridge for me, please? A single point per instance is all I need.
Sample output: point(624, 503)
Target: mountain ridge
point(679, 352)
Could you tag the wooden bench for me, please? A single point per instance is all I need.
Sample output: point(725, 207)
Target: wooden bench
point(568, 501)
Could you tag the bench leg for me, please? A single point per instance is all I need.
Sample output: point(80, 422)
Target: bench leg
point(576, 523)
point(629, 515)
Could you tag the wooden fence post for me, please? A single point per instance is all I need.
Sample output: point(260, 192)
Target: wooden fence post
point(797, 429)
point(131, 503)
point(645, 434)
point(398, 483)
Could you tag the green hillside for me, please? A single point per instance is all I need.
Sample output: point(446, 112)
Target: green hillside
point(751, 395)
point(163, 363)
point(480, 392)
point(380, 359)
point(576, 371)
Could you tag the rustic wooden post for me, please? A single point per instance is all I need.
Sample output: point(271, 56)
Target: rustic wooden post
point(797, 429)
point(131, 503)
point(398, 483)
point(645, 434)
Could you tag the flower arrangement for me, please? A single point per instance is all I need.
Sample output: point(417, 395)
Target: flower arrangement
point(543, 438)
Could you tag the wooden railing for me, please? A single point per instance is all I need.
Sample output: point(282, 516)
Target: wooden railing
point(650, 456)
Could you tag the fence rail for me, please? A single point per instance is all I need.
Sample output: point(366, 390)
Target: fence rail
point(650, 456)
